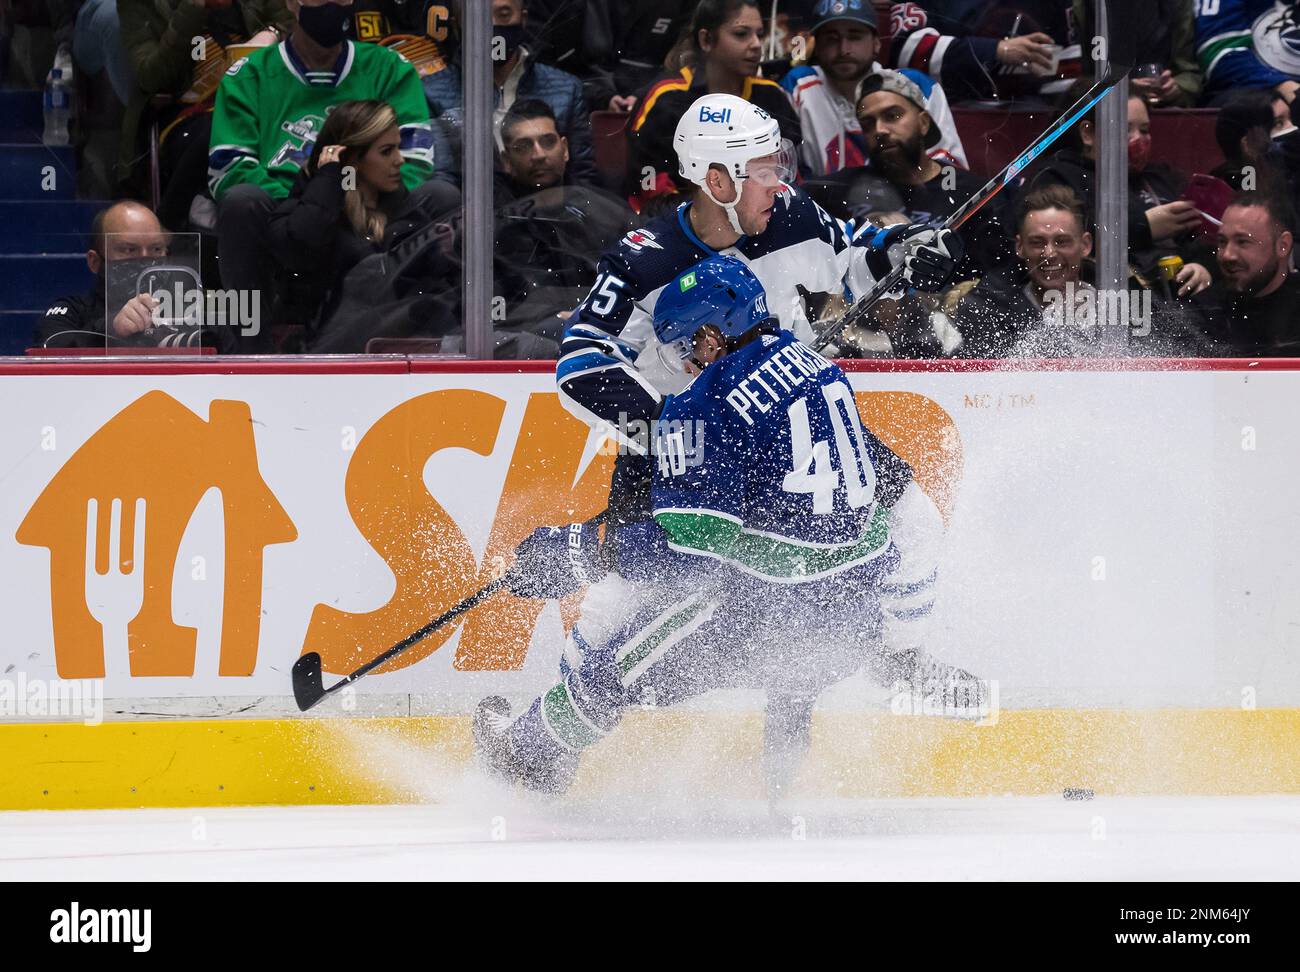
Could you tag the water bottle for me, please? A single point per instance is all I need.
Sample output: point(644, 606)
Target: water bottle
point(57, 98)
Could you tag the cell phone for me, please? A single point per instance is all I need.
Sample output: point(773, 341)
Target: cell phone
point(1210, 195)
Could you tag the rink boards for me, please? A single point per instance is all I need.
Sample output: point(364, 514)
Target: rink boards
point(1121, 558)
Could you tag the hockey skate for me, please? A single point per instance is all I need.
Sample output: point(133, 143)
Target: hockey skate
point(497, 754)
point(924, 685)
point(491, 740)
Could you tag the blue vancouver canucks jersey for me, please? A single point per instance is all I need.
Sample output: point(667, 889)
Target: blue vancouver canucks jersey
point(764, 462)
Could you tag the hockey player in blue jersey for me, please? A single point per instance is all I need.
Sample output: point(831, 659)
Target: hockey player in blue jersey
point(613, 373)
point(784, 538)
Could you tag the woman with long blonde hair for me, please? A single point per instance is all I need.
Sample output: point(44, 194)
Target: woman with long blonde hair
point(347, 203)
point(362, 135)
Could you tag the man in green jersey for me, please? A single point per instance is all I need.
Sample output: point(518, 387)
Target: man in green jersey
point(269, 109)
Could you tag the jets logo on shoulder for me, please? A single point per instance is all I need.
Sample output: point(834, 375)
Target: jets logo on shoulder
point(1276, 35)
point(234, 68)
point(639, 240)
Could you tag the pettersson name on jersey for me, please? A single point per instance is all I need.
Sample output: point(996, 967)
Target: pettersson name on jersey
point(789, 368)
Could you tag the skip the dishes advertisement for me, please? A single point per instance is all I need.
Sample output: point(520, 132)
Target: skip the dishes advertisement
point(1114, 538)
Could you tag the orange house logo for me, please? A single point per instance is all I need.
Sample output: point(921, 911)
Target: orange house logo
point(115, 514)
point(159, 451)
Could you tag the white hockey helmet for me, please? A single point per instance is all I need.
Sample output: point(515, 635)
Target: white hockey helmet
point(721, 129)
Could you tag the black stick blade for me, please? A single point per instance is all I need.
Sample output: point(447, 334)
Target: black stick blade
point(308, 688)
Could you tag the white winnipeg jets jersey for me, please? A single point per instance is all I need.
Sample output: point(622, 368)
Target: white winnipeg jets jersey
point(610, 370)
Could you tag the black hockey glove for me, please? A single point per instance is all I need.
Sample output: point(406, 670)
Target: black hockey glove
point(930, 256)
point(553, 562)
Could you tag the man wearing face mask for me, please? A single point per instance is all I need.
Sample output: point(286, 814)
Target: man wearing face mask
point(126, 234)
point(1160, 223)
point(517, 76)
point(269, 109)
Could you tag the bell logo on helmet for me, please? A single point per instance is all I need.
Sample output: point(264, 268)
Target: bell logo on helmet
point(717, 117)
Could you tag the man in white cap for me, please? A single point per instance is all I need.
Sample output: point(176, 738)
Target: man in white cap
point(845, 41)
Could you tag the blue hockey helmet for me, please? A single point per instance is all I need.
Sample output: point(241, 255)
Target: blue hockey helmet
point(720, 291)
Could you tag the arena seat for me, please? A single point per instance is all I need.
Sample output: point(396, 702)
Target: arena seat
point(1184, 138)
point(609, 142)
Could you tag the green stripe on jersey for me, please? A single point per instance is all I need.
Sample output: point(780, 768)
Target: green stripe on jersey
point(1209, 53)
point(771, 557)
point(563, 720)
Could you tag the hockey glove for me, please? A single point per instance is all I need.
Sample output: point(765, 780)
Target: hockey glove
point(553, 562)
point(929, 255)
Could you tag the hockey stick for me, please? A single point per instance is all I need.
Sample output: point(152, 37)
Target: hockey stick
point(1122, 55)
point(308, 686)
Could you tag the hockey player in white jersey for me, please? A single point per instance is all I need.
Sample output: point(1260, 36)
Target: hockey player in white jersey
point(784, 539)
point(611, 372)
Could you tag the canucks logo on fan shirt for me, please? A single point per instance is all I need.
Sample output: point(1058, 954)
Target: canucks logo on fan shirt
point(1277, 38)
point(302, 137)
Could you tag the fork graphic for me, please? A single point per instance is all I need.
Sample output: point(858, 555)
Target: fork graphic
point(115, 594)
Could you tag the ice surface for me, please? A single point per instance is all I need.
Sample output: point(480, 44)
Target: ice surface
point(1006, 838)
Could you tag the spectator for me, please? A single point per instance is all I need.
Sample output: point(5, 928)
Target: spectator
point(270, 108)
point(1046, 305)
point(986, 50)
point(1166, 72)
point(125, 233)
point(1281, 105)
point(519, 75)
point(1253, 310)
point(549, 235)
point(898, 130)
point(328, 224)
point(616, 47)
point(1006, 313)
point(845, 37)
point(1160, 223)
point(97, 45)
point(1246, 44)
point(726, 39)
point(1024, 48)
point(159, 39)
point(535, 155)
point(1242, 130)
